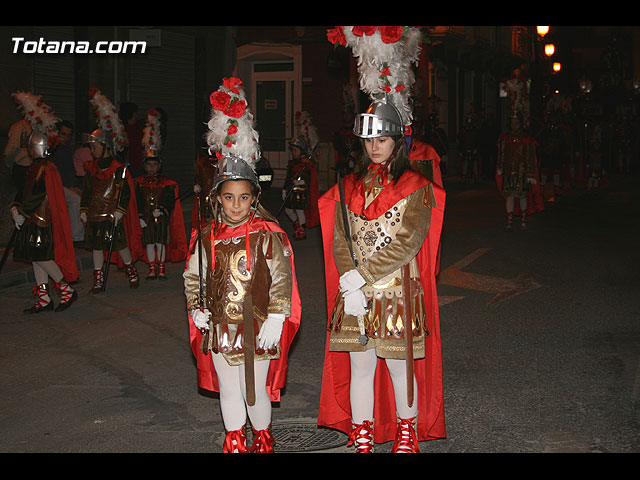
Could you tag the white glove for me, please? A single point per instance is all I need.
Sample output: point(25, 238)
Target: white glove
point(157, 213)
point(271, 331)
point(118, 216)
point(351, 281)
point(297, 181)
point(142, 223)
point(18, 219)
point(532, 181)
point(83, 217)
point(355, 303)
point(201, 318)
point(284, 194)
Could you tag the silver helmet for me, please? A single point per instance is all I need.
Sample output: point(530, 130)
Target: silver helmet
point(381, 119)
point(301, 144)
point(231, 167)
point(97, 136)
point(38, 145)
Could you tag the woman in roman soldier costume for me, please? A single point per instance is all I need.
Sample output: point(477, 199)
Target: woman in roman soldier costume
point(159, 207)
point(300, 190)
point(381, 227)
point(240, 283)
point(41, 217)
point(108, 197)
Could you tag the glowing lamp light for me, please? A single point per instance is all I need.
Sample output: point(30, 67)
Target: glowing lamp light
point(549, 49)
point(556, 66)
point(542, 31)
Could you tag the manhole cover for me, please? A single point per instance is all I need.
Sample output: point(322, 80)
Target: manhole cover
point(300, 436)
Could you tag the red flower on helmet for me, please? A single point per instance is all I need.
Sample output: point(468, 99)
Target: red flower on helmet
point(232, 129)
point(231, 83)
point(92, 92)
point(236, 109)
point(390, 34)
point(360, 31)
point(336, 35)
point(220, 100)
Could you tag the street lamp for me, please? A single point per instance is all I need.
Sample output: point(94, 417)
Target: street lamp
point(542, 31)
point(549, 49)
point(557, 67)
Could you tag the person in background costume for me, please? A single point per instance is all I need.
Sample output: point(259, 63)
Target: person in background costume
point(159, 207)
point(300, 190)
point(240, 284)
point(517, 172)
point(108, 197)
point(40, 215)
point(381, 380)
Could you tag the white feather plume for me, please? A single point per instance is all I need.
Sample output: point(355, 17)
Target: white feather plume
point(37, 113)
point(374, 56)
point(229, 133)
point(151, 138)
point(108, 119)
point(305, 128)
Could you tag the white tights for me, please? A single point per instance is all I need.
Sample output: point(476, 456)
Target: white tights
point(233, 395)
point(98, 257)
point(511, 201)
point(43, 270)
point(152, 248)
point(363, 370)
point(295, 215)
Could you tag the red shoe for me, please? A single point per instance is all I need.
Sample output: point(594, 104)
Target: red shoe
point(98, 281)
point(263, 441)
point(235, 442)
point(132, 273)
point(153, 273)
point(406, 440)
point(66, 294)
point(44, 300)
point(162, 275)
point(362, 437)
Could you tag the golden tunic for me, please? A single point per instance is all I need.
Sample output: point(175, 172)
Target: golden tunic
point(269, 281)
point(382, 246)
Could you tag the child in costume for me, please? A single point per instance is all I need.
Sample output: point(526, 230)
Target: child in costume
point(41, 217)
point(240, 283)
point(108, 197)
point(300, 190)
point(159, 207)
point(381, 226)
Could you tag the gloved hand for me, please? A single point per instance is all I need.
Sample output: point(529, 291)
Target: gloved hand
point(118, 216)
point(201, 318)
point(18, 219)
point(271, 331)
point(143, 224)
point(83, 217)
point(532, 180)
point(157, 213)
point(355, 303)
point(298, 181)
point(351, 281)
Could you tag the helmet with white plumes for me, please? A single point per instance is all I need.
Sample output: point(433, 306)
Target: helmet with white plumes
point(232, 135)
point(110, 131)
point(151, 135)
point(306, 137)
point(43, 121)
point(384, 57)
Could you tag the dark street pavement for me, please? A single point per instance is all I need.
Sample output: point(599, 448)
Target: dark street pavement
point(540, 336)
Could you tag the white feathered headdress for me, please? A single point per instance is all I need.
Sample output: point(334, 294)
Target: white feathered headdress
point(305, 129)
point(151, 137)
point(384, 55)
point(108, 121)
point(39, 115)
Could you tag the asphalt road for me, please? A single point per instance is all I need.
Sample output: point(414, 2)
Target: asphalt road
point(540, 334)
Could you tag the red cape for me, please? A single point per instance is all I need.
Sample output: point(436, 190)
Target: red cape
point(65, 254)
point(131, 221)
point(335, 408)
point(535, 199)
point(276, 377)
point(177, 247)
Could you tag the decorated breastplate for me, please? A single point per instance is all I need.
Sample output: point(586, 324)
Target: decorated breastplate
point(104, 196)
point(231, 281)
point(34, 184)
point(151, 195)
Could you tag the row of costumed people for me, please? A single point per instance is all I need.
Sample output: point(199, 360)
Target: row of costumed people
point(126, 219)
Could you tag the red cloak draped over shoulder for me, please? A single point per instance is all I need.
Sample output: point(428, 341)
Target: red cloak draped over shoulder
point(177, 247)
point(64, 253)
point(277, 374)
point(335, 408)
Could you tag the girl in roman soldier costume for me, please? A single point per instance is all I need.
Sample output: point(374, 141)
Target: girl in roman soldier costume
point(517, 172)
point(108, 197)
point(240, 284)
point(300, 190)
point(381, 228)
point(40, 215)
point(159, 207)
